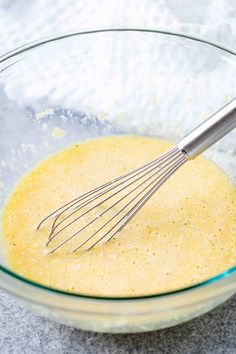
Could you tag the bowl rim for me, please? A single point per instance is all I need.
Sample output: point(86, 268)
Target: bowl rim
point(44, 41)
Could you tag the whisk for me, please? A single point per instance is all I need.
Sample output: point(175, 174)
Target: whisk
point(101, 213)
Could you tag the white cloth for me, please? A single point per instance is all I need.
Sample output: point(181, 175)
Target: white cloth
point(22, 21)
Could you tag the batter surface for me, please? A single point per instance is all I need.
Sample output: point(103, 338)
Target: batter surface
point(184, 234)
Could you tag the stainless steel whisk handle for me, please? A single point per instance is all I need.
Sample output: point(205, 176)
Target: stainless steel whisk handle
point(210, 131)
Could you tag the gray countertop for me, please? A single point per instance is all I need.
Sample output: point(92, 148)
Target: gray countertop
point(22, 331)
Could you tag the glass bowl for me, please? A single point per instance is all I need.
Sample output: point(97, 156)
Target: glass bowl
point(78, 86)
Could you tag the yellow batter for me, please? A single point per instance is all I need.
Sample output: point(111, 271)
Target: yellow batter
point(184, 234)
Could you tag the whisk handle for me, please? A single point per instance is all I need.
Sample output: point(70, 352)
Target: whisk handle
point(210, 131)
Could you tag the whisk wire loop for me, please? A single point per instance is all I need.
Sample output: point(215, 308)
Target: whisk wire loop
point(137, 187)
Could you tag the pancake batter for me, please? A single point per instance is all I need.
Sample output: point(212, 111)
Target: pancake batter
point(184, 234)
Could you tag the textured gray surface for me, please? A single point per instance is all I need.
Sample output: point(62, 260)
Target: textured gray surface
point(21, 331)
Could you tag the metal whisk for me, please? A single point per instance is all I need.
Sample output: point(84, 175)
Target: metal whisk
point(101, 213)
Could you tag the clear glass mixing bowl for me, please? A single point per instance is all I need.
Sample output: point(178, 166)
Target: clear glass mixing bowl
point(124, 81)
